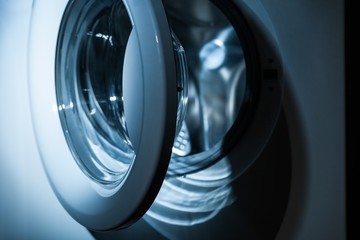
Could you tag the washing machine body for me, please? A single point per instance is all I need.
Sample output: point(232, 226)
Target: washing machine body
point(282, 174)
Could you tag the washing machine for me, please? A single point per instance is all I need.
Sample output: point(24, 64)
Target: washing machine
point(173, 120)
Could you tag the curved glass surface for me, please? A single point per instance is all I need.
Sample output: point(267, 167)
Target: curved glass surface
point(182, 85)
point(89, 64)
point(89, 82)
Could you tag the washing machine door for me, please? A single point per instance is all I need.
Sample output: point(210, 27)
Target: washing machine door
point(110, 87)
point(104, 95)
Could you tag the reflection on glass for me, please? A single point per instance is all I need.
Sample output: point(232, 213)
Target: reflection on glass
point(90, 55)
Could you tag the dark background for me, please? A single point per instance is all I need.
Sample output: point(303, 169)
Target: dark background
point(352, 118)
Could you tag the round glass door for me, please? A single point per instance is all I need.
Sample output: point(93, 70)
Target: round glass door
point(97, 64)
point(107, 79)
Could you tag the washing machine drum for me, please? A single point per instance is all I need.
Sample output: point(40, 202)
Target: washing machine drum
point(127, 93)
